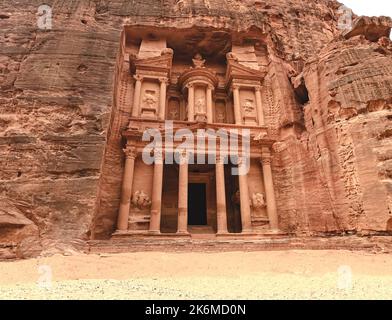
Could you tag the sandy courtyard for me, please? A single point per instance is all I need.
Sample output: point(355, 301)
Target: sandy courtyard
point(229, 275)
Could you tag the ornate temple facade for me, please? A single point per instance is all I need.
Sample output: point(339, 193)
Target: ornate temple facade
point(205, 95)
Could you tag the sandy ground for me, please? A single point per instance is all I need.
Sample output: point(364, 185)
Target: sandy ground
point(228, 275)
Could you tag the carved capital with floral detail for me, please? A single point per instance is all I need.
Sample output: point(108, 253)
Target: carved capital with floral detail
point(164, 80)
point(130, 152)
point(138, 77)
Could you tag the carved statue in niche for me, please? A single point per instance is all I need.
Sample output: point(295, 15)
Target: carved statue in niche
point(141, 200)
point(220, 116)
point(248, 107)
point(198, 61)
point(200, 105)
point(258, 201)
point(174, 112)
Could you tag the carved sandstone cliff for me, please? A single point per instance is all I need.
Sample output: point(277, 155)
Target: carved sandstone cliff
point(64, 91)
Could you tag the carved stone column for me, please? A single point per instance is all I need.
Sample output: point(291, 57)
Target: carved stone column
point(191, 102)
point(162, 98)
point(269, 189)
point(136, 96)
point(244, 197)
point(156, 205)
point(259, 106)
point(183, 194)
point(237, 106)
point(221, 196)
point(210, 118)
point(126, 193)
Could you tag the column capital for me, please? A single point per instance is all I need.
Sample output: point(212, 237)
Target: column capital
point(130, 152)
point(164, 80)
point(265, 156)
point(258, 88)
point(138, 77)
point(235, 86)
point(158, 155)
point(190, 85)
point(184, 156)
point(220, 158)
point(210, 87)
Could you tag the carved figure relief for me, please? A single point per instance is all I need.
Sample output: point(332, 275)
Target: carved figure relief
point(141, 200)
point(150, 100)
point(198, 61)
point(248, 107)
point(180, 5)
point(258, 201)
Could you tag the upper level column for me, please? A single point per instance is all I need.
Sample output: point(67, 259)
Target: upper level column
point(136, 95)
point(259, 106)
point(209, 104)
point(237, 107)
point(162, 104)
point(191, 102)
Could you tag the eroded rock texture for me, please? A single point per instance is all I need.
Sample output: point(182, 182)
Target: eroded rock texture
point(64, 103)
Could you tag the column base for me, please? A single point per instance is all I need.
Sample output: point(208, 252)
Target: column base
point(275, 232)
point(183, 233)
point(154, 232)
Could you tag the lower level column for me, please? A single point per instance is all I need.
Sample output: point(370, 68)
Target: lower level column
point(269, 191)
point(156, 205)
point(183, 195)
point(244, 198)
point(126, 193)
point(221, 196)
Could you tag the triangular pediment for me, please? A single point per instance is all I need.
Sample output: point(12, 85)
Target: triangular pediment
point(158, 63)
point(236, 70)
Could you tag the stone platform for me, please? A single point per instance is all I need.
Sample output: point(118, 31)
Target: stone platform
point(375, 244)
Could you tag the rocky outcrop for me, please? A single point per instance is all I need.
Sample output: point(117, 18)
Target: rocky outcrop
point(19, 236)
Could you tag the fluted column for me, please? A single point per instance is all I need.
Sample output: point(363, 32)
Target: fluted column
point(237, 106)
point(156, 205)
point(136, 96)
point(183, 194)
point(210, 118)
point(126, 193)
point(269, 191)
point(191, 102)
point(259, 106)
point(162, 98)
point(221, 195)
point(244, 197)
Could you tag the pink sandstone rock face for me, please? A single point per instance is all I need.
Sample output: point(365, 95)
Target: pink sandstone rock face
point(65, 101)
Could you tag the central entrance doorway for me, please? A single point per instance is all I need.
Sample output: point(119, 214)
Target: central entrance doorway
point(197, 204)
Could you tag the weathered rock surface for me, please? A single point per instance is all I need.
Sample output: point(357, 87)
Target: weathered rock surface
point(62, 110)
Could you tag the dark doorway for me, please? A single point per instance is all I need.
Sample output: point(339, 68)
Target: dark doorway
point(197, 206)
